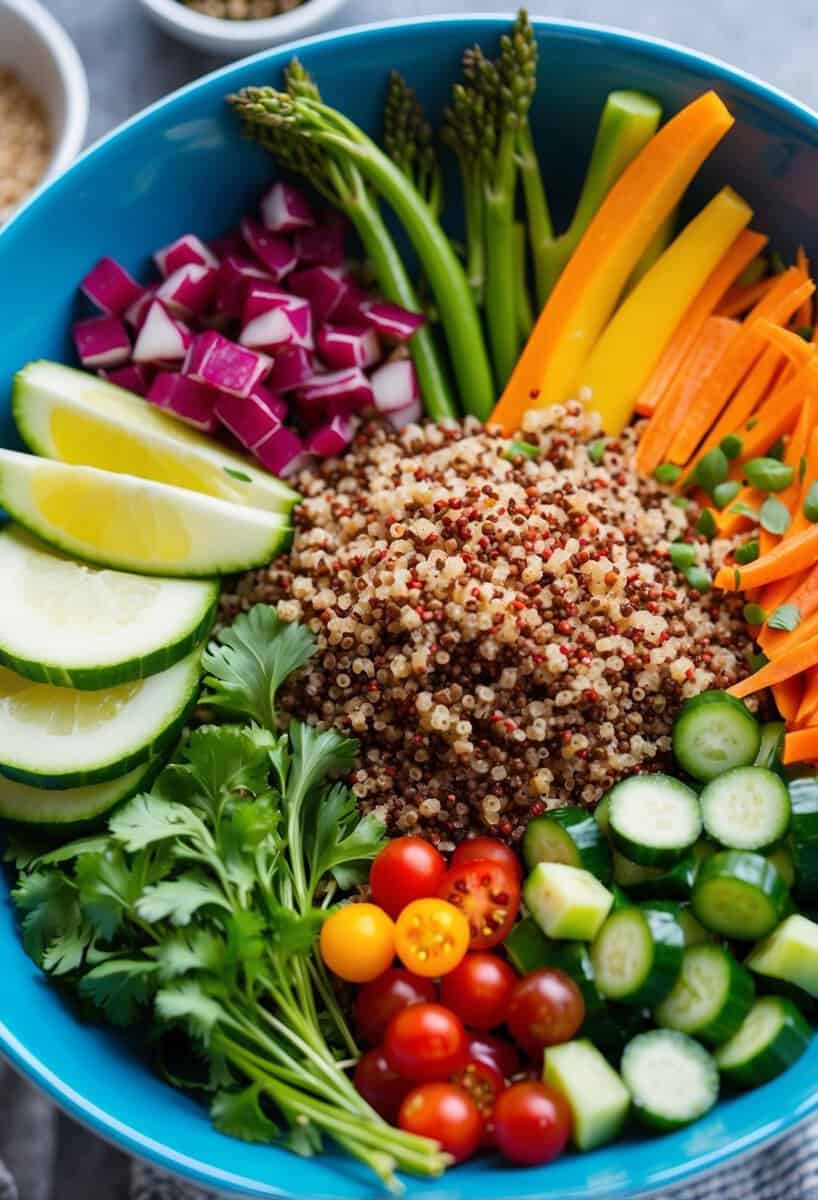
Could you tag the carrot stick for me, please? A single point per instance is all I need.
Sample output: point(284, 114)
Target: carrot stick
point(796, 660)
point(787, 696)
point(729, 522)
point(792, 344)
point(783, 560)
point(741, 297)
point(775, 642)
point(804, 314)
point(801, 746)
point(809, 701)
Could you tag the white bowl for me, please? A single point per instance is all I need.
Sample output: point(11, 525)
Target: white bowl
point(234, 39)
point(39, 50)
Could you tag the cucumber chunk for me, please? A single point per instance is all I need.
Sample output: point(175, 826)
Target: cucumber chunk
point(739, 895)
point(713, 733)
point(746, 808)
point(782, 860)
point(637, 954)
point(711, 997)
point(25, 805)
point(596, 1095)
point(771, 746)
point(789, 953)
point(602, 814)
point(804, 834)
point(631, 875)
point(655, 883)
point(566, 902)
point(654, 819)
point(772, 1037)
point(694, 932)
point(570, 836)
point(672, 1079)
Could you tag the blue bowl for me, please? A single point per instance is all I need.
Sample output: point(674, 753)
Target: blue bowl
point(182, 166)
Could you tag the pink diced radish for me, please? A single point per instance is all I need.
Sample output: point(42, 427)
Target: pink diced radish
point(187, 250)
point(332, 438)
point(236, 275)
point(269, 331)
point(102, 342)
point(136, 313)
point(391, 321)
point(190, 401)
point(401, 417)
point(339, 392)
point(395, 386)
point(285, 208)
point(277, 404)
point(110, 287)
point(261, 297)
point(275, 252)
point(264, 298)
point(133, 378)
point(323, 244)
point(351, 306)
point(251, 419)
point(188, 290)
point(229, 243)
point(283, 452)
point(291, 369)
point(348, 345)
point(162, 338)
point(223, 364)
point(324, 287)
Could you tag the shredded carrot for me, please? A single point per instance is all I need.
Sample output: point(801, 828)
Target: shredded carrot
point(741, 297)
point(792, 344)
point(787, 696)
point(804, 315)
point(796, 660)
point(801, 746)
point(808, 707)
point(775, 642)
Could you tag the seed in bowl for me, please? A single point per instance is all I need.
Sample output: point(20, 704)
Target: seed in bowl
point(25, 141)
point(241, 10)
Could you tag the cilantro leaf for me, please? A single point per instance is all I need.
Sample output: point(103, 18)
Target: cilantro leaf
point(68, 949)
point(239, 1115)
point(189, 1004)
point(178, 899)
point(316, 754)
point(187, 951)
point(48, 903)
point(337, 838)
point(120, 987)
point(148, 819)
point(22, 850)
point(228, 759)
point(291, 933)
point(107, 888)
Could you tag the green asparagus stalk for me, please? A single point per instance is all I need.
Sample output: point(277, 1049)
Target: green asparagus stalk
point(410, 143)
point(522, 299)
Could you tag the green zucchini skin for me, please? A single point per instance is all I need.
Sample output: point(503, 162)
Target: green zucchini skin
point(742, 873)
point(729, 987)
point(704, 755)
point(663, 942)
point(775, 1055)
point(639, 797)
point(804, 835)
point(587, 847)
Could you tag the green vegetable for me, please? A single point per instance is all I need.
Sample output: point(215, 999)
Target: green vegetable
point(706, 523)
point(515, 449)
point(522, 299)
point(804, 331)
point(776, 451)
point(745, 510)
point(811, 502)
point(748, 552)
point(699, 578)
point(409, 141)
point(786, 617)
point(667, 473)
point(682, 554)
point(596, 450)
point(681, 502)
point(754, 614)
point(768, 474)
point(711, 469)
point(723, 493)
point(200, 905)
point(731, 446)
point(775, 516)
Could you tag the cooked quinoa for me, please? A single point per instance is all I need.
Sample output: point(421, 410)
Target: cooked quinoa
point(501, 636)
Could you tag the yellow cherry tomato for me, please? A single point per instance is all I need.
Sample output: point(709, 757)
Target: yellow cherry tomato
point(431, 937)
point(358, 942)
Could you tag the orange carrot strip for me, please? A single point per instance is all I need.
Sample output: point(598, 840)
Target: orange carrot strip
point(775, 642)
point(790, 589)
point(808, 707)
point(796, 660)
point(729, 522)
point(741, 297)
point(787, 696)
point(779, 413)
point(801, 746)
point(783, 560)
point(792, 344)
point(804, 314)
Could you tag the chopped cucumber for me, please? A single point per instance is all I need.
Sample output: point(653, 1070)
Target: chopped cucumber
point(631, 875)
point(566, 902)
point(26, 805)
point(790, 953)
point(694, 932)
point(804, 834)
point(571, 836)
point(672, 1079)
point(71, 625)
point(613, 1028)
point(637, 954)
point(739, 895)
point(596, 1095)
point(711, 997)
point(527, 946)
point(714, 732)
point(771, 746)
point(746, 808)
point(773, 1036)
point(783, 862)
point(675, 883)
point(602, 814)
point(654, 819)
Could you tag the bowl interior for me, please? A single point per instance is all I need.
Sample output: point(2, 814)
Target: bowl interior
point(182, 166)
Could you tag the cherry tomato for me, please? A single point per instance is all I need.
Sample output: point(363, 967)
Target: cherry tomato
point(431, 937)
point(494, 1050)
point(379, 1000)
point(446, 1113)
point(478, 990)
point(425, 1043)
point(487, 849)
point(545, 1008)
point(407, 869)
point(532, 1123)
point(488, 894)
point(484, 1083)
point(380, 1086)
point(358, 942)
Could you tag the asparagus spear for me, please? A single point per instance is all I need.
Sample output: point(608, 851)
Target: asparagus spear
point(409, 141)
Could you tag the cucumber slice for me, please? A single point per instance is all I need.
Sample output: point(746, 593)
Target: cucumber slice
point(602, 814)
point(61, 738)
point(527, 947)
point(739, 895)
point(773, 1036)
point(620, 899)
point(711, 997)
point(566, 902)
point(567, 835)
point(613, 1028)
point(596, 1095)
point(530, 950)
point(771, 746)
point(72, 625)
point(673, 884)
point(782, 860)
point(654, 819)
point(637, 954)
point(672, 1079)
point(804, 834)
point(631, 875)
point(713, 733)
point(789, 953)
point(25, 805)
point(694, 932)
point(77, 418)
point(746, 808)
point(135, 524)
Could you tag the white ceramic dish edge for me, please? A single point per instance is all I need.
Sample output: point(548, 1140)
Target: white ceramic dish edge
point(234, 39)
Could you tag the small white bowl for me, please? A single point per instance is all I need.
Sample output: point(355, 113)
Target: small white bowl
point(39, 50)
point(234, 39)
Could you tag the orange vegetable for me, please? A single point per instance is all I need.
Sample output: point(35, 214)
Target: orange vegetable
point(801, 746)
point(783, 560)
point(729, 522)
point(741, 298)
point(779, 413)
point(804, 314)
point(787, 696)
point(792, 344)
point(793, 662)
point(808, 707)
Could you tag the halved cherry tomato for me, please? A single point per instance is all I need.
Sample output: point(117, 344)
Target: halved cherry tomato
point(425, 1043)
point(358, 942)
point(407, 869)
point(478, 989)
point(545, 1008)
point(488, 895)
point(495, 1051)
point(380, 1086)
point(446, 1113)
point(532, 1123)
point(487, 849)
point(381, 998)
point(431, 937)
point(484, 1083)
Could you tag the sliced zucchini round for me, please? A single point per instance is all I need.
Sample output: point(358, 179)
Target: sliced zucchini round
point(25, 805)
point(693, 930)
point(567, 835)
point(631, 875)
point(637, 954)
point(772, 1037)
point(711, 997)
point(672, 1079)
point(602, 814)
point(746, 808)
point(675, 883)
point(804, 834)
point(739, 895)
point(654, 819)
point(713, 733)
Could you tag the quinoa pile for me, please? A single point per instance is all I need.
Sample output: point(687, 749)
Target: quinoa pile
point(501, 636)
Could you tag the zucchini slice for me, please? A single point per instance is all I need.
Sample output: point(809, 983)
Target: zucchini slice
point(672, 1079)
point(596, 1095)
point(746, 808)
point(804, 834)
point(637, 954)
point(654, 883)
point(772, 1037)
point(25, 805)
point(789, 953)
point(739, 895)
point(566, 902)
point(711, 997)
point(571, 836)
point(654, 819)
point(713, 733)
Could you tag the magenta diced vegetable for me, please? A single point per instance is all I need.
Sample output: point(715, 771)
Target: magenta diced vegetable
point(395, 385)
point(282, 453)
point(162, 338)
point(324, 287)
point(268, 331)
point(250, 419)
point(391, 321)
point(348, 345)
point(187, 250)
point(332, 438)
point(401, 417)
point(272, 250)
point(102, 342)
point(109, 286)
point(190, 401)
point(338, 392)
point(223, 364)
point(285, 208)
point(229, 243)
point(135, 314)
point(261, 297)
point(276, 403)
point(291, 369)
point(133, 378)
point(236, 275)
point(189, 289)
point(323, 244)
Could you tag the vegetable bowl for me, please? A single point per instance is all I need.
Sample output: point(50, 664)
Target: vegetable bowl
point(180, 165)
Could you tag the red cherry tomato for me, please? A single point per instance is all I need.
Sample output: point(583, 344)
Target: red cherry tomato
point(446, 1113)
point(532, 1123)
point(545, 1008)
point(380, 1086)
point(494, 1050)
point(487, 849)
point(425, 1043)
point(484, 1083)
point(488, 895)
point(478, 990)
point(379, 1000)
point(407, 869)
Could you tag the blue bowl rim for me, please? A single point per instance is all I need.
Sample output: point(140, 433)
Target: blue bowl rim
point(66, 1097)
